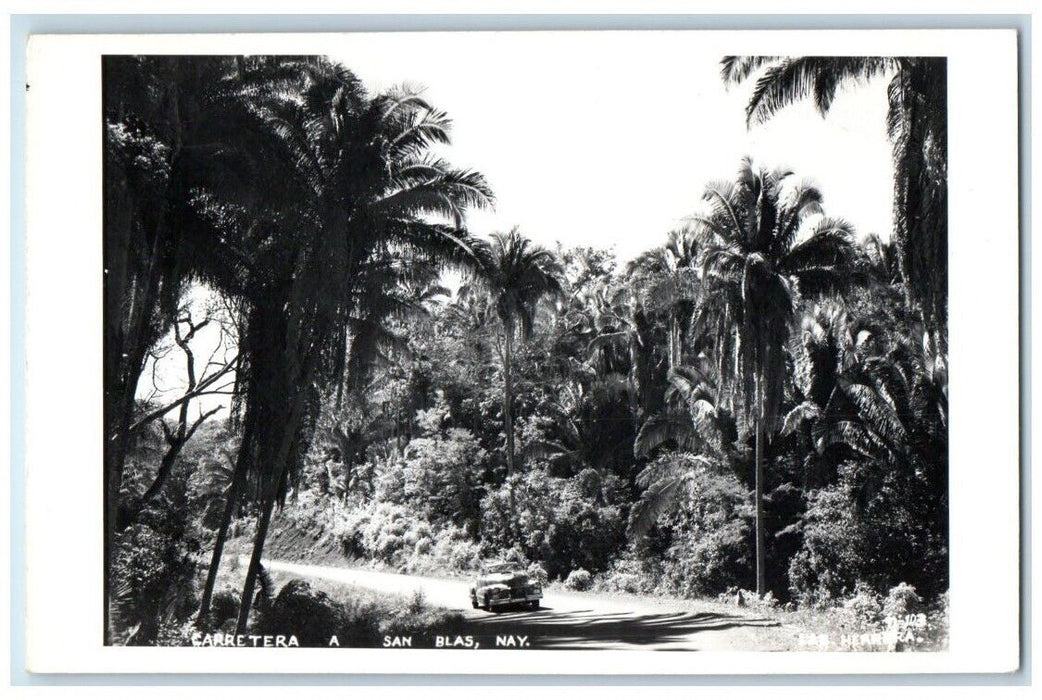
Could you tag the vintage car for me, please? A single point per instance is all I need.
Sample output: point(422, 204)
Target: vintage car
point(502, 583)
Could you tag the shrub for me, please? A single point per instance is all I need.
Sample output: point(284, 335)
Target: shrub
point(902, 600)
point(827, 565)
point(560, 526)
point(536, 571)
point(154, 580)
point(300, 610)
point(454, 551)
point(864, 607)
point(361, 623)
point(423, 546)
point(633, 572)
point(391, 534)
point(442, 477)
point(877, 524)
point(224, 606)
point(417, 601)
point(579, 580)
point(706, 536)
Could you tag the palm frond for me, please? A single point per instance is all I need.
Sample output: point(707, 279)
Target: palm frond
point(798, 415)
point(791, 80)
point(736, 69)
point(662, 428)
point(657, 500)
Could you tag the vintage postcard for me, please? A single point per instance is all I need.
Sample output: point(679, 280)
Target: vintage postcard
point(485, 351)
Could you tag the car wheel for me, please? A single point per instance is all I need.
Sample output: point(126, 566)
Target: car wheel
point(534, 604)
point(488, 603)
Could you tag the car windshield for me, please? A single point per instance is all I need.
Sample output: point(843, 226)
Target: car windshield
point(500, 568)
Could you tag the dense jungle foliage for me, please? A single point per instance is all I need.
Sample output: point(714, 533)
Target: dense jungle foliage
point(758, 401)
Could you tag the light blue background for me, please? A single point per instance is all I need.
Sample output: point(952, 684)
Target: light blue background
point(24, 25)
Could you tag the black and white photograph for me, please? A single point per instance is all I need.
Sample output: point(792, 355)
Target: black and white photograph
point(529, 342)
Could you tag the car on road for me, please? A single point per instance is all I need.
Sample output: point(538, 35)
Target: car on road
point(500, 584)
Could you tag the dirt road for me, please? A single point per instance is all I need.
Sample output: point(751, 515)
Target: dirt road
point(574, 620)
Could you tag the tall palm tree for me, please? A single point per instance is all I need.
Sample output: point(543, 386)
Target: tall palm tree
point(175, 129)
point(518, 275)
point(767, 244)
point(674, 285)
point(358, 183)
point(917, 128)
point(625, 341)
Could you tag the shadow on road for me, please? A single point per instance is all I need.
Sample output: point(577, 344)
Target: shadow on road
point(586, 629)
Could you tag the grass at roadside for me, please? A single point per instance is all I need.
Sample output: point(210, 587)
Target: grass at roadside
point(315, 609)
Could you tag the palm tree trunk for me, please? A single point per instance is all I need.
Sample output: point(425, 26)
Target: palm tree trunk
point(673, 358)
point(279, 472)
point(761, 552)
point(246, 602)
point(238, 478)
point(508, 417)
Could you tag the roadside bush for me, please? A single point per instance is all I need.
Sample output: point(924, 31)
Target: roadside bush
point(559, 525)
point(579, 580)
point(453, 550)
point(633, 572)
point(708, 536)
point(744, 598)
point(863, 609)
point(865, 620)
point(300, 610)
point(154, 579)
point(858, 530)
point(442, 477)
point(391, 534)
point(536, 571)
point(223, 606)
point(903, 600)
point(827, 565)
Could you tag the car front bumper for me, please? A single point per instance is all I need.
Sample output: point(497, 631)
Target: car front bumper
point(514, 598)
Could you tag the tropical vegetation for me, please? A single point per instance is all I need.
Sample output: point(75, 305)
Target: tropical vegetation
point(758, 402)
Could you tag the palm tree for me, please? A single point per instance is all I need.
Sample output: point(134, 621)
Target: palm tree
point(674, 287)
point(694, 420)
point(176, 128)
point(875, 404)
point(876, 393)
point(703, 430)
point(625, 341)
point(767, 244)
point(393, 290)
point(917, 128)
point(518, 275)
point(374, 189)
point(831, 341)
point(580, 431)
point(358, 184)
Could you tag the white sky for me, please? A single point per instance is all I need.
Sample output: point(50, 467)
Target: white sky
point(586, 142)
point(590, 140)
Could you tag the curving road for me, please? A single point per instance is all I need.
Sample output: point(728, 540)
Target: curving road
point(573, 620)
